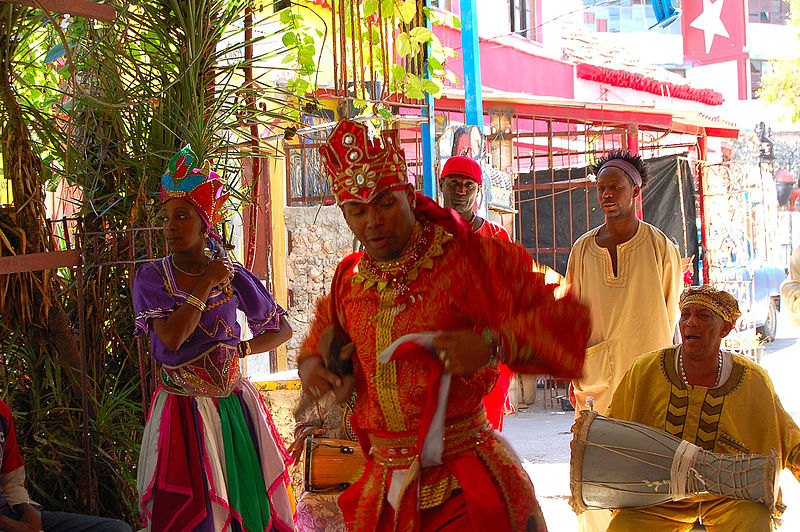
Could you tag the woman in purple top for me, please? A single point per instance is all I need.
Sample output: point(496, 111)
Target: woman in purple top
point(211, 457)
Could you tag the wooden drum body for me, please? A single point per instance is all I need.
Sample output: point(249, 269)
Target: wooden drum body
point(622, 464)
point(331, 464)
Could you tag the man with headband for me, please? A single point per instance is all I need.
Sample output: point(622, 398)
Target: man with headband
point(432, 308)
point(717, 400)
point(629, 274)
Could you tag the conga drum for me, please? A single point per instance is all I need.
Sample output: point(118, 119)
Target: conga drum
point(622, 464)
point(331, 464)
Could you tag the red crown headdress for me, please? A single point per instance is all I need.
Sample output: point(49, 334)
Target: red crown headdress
point(359, 167)
point(198, 185)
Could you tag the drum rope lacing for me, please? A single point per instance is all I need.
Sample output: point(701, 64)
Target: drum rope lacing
point(685, 479)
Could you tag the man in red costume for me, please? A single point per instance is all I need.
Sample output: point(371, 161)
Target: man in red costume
point(432, 309)
point(461, 181)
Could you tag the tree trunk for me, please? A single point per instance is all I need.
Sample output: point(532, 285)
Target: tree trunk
point(30, 304)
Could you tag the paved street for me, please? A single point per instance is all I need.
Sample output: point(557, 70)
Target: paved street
point(541, 436)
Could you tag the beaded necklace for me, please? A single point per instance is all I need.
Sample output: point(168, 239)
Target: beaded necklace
point(426, 243)
point(683, 371)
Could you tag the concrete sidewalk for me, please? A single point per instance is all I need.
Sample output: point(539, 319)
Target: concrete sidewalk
point(541, 439)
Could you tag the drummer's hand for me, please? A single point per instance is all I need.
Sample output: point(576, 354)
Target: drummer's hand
point(462, 352)
point(316, 379)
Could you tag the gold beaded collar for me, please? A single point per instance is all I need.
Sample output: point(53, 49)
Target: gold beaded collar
point(425, 244)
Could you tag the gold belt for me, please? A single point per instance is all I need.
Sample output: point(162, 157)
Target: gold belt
point(462, 434)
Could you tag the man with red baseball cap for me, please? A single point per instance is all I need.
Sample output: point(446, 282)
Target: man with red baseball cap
point(460, 181)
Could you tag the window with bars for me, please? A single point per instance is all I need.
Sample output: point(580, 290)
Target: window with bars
point(522, 16)
point(768, 11)
point(453, 6)
point(623, 16)
point(306, 182)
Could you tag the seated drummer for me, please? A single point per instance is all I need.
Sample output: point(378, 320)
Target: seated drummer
point(719, 401)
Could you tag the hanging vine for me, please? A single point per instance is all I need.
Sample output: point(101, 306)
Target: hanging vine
point(374, 50)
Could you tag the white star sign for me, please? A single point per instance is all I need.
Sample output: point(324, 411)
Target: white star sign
point(710, 22)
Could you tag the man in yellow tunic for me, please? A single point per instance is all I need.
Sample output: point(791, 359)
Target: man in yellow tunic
point(629, 274)
point(719, 401)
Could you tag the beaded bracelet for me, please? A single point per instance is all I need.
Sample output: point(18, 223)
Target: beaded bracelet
point(196, 303)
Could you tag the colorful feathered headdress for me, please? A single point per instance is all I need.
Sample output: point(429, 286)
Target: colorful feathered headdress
point(199, 186)
point(359, 167)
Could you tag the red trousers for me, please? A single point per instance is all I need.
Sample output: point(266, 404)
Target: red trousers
point(448, 517)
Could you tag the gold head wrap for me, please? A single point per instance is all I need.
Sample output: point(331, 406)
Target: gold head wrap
point(719, 301)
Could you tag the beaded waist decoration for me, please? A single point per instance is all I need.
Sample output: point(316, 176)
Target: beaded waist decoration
point(213, 373)
point(460, 435)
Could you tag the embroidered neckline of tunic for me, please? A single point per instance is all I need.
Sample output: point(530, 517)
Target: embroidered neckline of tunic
point(389, 279)
point(623, 259)
point(215, 298)
point(221, 297)
point(425, 244)
point(668, 370)
point(707, 429)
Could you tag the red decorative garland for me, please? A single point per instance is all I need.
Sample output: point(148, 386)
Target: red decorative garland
point(631, 80)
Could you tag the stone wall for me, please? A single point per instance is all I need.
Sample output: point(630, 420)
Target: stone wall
point(281, 404)
point(318, 240)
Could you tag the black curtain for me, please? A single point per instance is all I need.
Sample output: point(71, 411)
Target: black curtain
point(661, 204)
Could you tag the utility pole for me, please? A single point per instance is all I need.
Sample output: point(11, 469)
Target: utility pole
point(473, 101)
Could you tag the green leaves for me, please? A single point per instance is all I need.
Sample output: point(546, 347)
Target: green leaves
point(442, 18)
point(289, 39)
point(411, 42)
point(433, 87)
point(406, 10)
point(420, 35)
point(415, 88)
point(779, 85)
point(369, 8)
point(300, 39)
point(385, 113)
point(398, 72)
point(404, 46)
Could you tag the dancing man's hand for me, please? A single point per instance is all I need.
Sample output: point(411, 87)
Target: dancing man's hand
point(317, 380)
point(342, 393)
point(462, 352)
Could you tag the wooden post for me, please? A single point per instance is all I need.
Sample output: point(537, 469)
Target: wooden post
point(701, 159)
